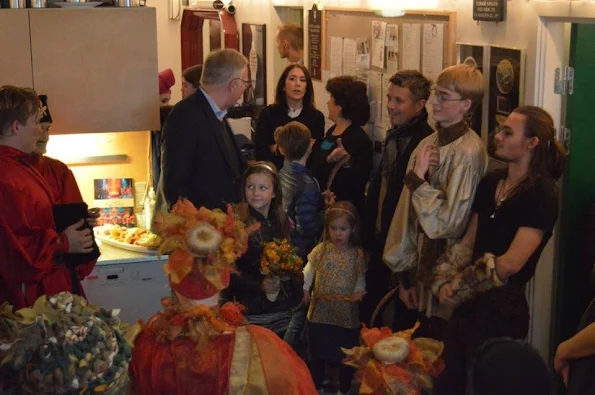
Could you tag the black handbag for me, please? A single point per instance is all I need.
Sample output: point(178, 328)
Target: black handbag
point(64, 216)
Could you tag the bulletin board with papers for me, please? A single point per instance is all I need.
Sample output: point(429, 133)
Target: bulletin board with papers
point(421, 40)
point(372, 48)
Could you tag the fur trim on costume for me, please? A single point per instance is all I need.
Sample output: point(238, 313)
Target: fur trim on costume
point(450, 263)
point(480, 277)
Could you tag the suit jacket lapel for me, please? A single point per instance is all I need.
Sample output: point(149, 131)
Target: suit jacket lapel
point(215, 126)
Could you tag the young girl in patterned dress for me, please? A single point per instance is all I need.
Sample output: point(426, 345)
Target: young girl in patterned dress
point(336, 266)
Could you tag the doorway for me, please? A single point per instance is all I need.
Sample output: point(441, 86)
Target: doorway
point(576, 256)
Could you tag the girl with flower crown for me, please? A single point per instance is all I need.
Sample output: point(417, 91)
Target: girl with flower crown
point(262, 204)
point(337, 268)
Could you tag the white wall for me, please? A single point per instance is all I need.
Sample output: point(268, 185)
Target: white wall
point(168, 45)
point(519, 30)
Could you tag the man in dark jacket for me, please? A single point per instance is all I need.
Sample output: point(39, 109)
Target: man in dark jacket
point(200, 159)
point(408, 92)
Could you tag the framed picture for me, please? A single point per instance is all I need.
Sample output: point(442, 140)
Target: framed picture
point(115, 199)
point(254, 49)
point(506, 76)
point(473, 55)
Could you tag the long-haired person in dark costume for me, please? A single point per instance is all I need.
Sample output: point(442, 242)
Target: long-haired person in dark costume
point(514, 213)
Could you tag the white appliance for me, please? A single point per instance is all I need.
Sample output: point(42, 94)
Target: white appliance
point(134, 287)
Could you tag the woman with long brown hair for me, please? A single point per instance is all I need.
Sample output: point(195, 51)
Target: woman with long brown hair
point(294, 101)
point(514, 214)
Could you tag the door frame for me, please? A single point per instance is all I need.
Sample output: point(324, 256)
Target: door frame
point(552, 46)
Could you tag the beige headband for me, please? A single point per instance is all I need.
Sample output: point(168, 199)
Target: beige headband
point(266, 166)
point(342, 210)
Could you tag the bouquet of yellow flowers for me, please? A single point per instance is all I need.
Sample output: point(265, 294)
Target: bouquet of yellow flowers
point(279, 258)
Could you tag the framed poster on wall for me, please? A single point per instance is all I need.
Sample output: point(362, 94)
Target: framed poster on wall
point(506, 83)
point(254, 49)
point(473, 55)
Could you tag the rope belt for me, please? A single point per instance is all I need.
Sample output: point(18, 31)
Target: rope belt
point(333, 297)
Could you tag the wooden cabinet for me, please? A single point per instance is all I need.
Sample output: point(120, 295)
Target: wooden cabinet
point(97, 66)
point(15, 48)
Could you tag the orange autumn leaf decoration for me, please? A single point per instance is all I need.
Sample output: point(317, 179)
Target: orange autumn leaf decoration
point(179, 265)
point(410, 376)
point(198, 323)
point(217, 237)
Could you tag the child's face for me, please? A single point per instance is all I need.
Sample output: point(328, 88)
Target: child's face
point(448, 106)
point(259, 192)
point(339, 231)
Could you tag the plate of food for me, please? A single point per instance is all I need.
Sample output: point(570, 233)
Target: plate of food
point(131, 239)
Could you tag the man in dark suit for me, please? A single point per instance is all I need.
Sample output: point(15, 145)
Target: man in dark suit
point(408, 92)
point(200, 159)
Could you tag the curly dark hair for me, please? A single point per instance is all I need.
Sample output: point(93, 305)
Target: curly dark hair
point(281, 97)
point(352, 96)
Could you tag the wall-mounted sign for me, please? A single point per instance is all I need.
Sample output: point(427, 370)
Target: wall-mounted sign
point(489, 10)
point(315, 43)
point(506, 83)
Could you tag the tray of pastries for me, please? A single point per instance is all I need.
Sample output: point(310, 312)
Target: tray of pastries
point(131, 239)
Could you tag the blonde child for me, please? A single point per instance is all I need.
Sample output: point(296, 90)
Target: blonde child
point(336, 266)
point(434, 208)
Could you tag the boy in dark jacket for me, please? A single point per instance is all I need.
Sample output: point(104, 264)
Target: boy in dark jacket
point(302, 200)
point(303, 203)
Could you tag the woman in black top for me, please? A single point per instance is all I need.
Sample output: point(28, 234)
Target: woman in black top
point(514, 213)
point(342, 161)
point(294, 101)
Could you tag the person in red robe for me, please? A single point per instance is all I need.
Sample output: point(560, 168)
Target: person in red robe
point(61, 181)
point(29, 243)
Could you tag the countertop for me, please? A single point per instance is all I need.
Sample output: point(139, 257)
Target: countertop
point(111, 255)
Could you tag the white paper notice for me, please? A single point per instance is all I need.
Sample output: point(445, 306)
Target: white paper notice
point(411, 46)
point(363, 76)
point(349, 56)
point(322, 94)
point(336, 55)
point(378, 37)
point(433, 50)
point(383, 101)
point(375, 95)
point(363, 54)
